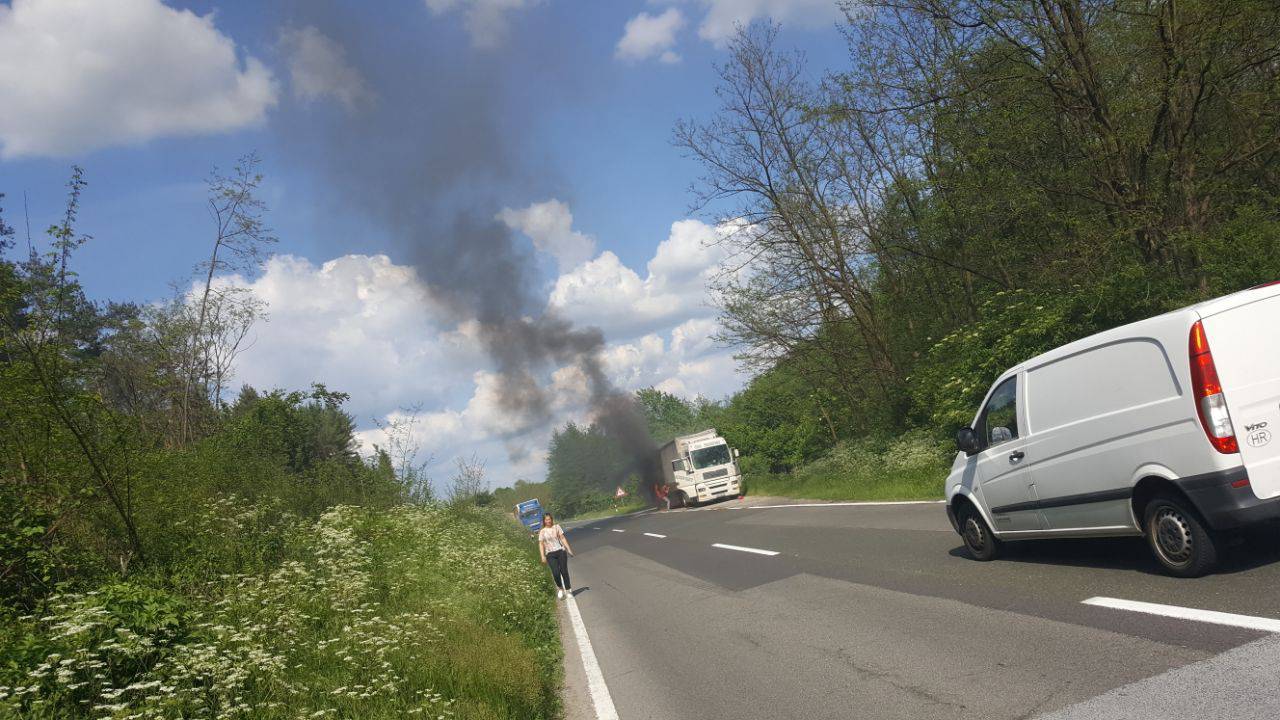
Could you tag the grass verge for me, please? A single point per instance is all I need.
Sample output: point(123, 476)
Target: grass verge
point(621, 509)
point(409, 612)
point(910, 467)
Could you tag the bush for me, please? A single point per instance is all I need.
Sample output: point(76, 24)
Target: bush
point(1013, 327)
point(373, 614)
point(912, 466)
point(30, 555)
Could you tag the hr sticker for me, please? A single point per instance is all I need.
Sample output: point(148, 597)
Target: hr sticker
point(1259, 438)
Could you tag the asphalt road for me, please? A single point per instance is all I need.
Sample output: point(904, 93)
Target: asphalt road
point(875, 612)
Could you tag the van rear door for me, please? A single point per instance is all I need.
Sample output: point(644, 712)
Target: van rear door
point(1245, 340)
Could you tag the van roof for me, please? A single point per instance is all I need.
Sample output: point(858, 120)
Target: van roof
point(1200, 309)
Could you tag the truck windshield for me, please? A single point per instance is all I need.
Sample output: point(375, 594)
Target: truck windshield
point(708, 456)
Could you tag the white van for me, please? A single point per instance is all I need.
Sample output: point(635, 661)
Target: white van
point(1164, 428)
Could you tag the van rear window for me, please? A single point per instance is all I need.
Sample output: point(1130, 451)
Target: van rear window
point(1100, 381)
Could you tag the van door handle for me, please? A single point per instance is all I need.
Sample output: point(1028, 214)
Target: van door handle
point(1016, 455)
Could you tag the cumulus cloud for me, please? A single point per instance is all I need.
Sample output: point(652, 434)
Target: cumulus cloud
point(318, 68)
point(486, 20)
point(646, 36)
point(362, 324)
point(724, 16)
point(610, 295)
point(78, 75)
point(550, 226)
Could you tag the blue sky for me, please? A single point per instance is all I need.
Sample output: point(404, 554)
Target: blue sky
point(590, 119)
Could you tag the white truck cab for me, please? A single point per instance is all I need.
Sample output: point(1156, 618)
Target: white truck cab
point(1163, 428)
point(698, 468)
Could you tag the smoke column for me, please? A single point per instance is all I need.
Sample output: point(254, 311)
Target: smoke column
point(425, 158)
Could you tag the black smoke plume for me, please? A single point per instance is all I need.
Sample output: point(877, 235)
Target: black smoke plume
point(427, 158)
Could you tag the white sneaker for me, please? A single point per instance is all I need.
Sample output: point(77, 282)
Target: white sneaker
point(559, 594)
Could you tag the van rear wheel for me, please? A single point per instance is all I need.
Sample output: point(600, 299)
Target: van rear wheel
point(978, 540)
point(1179, 540)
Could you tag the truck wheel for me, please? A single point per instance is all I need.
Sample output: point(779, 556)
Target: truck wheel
point(978, 540)
point(685, 502)
point(1182, 544)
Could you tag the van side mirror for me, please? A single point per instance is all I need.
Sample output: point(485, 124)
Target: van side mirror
point(967, 440)
point(735, 452)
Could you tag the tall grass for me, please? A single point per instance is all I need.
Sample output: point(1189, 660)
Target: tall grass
point(410, 612)
point(912, 466)
point(628, 505)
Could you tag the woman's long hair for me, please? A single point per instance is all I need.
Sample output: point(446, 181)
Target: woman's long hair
point(547, 517)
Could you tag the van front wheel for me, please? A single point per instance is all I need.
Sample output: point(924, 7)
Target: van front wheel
point(1179, 540)
point(978, 540)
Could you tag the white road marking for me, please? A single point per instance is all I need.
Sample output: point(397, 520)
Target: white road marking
point(843, 504)
point(655, 535)
point(739, 548)
point(617, 530)
point(1184, 613)
point(596, 686)
point(595, 528)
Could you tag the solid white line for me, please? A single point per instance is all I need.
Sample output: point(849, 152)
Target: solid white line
point(617, 530)
point(843, 504)
point(1185, 613)
point(596, 686)
point(595, 528)
point(655, 535)
point(739, 548)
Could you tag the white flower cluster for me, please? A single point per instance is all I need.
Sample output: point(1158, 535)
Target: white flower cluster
point(339, 630)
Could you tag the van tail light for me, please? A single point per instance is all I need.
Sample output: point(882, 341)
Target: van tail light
point(1211, 404)
point(1265, 284)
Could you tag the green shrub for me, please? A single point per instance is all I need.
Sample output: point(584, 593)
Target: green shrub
point(911, 466)
point(369, 613)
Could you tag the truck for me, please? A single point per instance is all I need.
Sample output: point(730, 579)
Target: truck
point(698, 468)
point(529, 513)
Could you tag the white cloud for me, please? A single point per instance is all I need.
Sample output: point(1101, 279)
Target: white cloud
point(486, 20)
point(550, 226)
point(318, 68)
point(78, 75)
point(724, 16)
point(361, 324)
point(689, 365)
point(647, 36)
point(610, 295)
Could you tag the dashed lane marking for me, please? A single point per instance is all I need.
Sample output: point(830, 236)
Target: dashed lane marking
point(655, 535)
point(740, 548)
point(1184, 613)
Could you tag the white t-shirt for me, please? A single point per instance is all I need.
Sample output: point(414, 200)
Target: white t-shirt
point(550, 537)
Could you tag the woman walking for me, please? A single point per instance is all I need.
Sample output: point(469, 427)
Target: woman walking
point(553, 546)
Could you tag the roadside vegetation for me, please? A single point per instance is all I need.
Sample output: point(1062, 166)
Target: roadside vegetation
point(169, 548)
point(908, 467)
point(976, 184)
